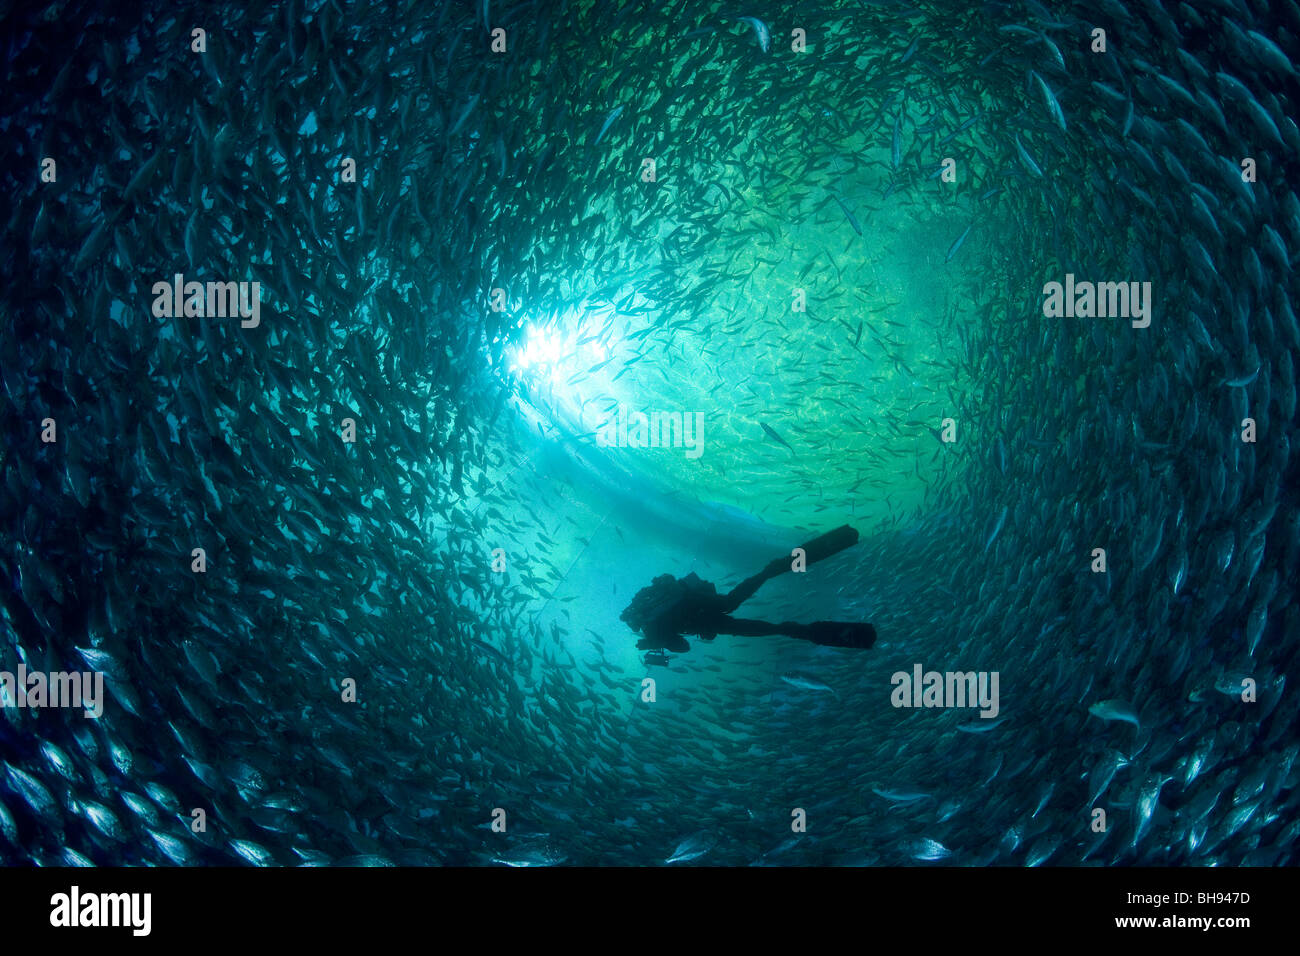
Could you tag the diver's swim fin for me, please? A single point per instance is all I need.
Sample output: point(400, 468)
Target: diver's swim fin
point(841, 634)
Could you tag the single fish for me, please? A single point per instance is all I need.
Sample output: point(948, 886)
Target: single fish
point(997, 530)
point(1115, 710)
point(491, 651)
point(33, 792)
point(1028, 160)
point(1043, 849)
point(532, 856)
point(928, 850)
point(901, 796)
point(774, 436)
point(1104, 772)
point(1148, 799)
point(692, 848)
point(1053, 106)
point(807, 683)
point(981, 726)
point(1232, 683)
point(853, 221)
point(614, 114)
point(1042, 800)
point(1271, 55)
point(469, 108)
point(254, 853)
point(952, 250)
point(761, 31)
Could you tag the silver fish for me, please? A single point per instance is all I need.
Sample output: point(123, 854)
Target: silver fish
point(761, 31)
point(1115, 710)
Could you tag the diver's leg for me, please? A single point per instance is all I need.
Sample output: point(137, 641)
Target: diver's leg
point(747, 628)
point(856, 634)
point(818, 549)
point(825, 633)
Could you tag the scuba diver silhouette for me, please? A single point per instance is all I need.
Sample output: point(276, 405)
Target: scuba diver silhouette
point(671, 607)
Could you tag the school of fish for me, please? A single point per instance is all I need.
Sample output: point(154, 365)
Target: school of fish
point(561, 207)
